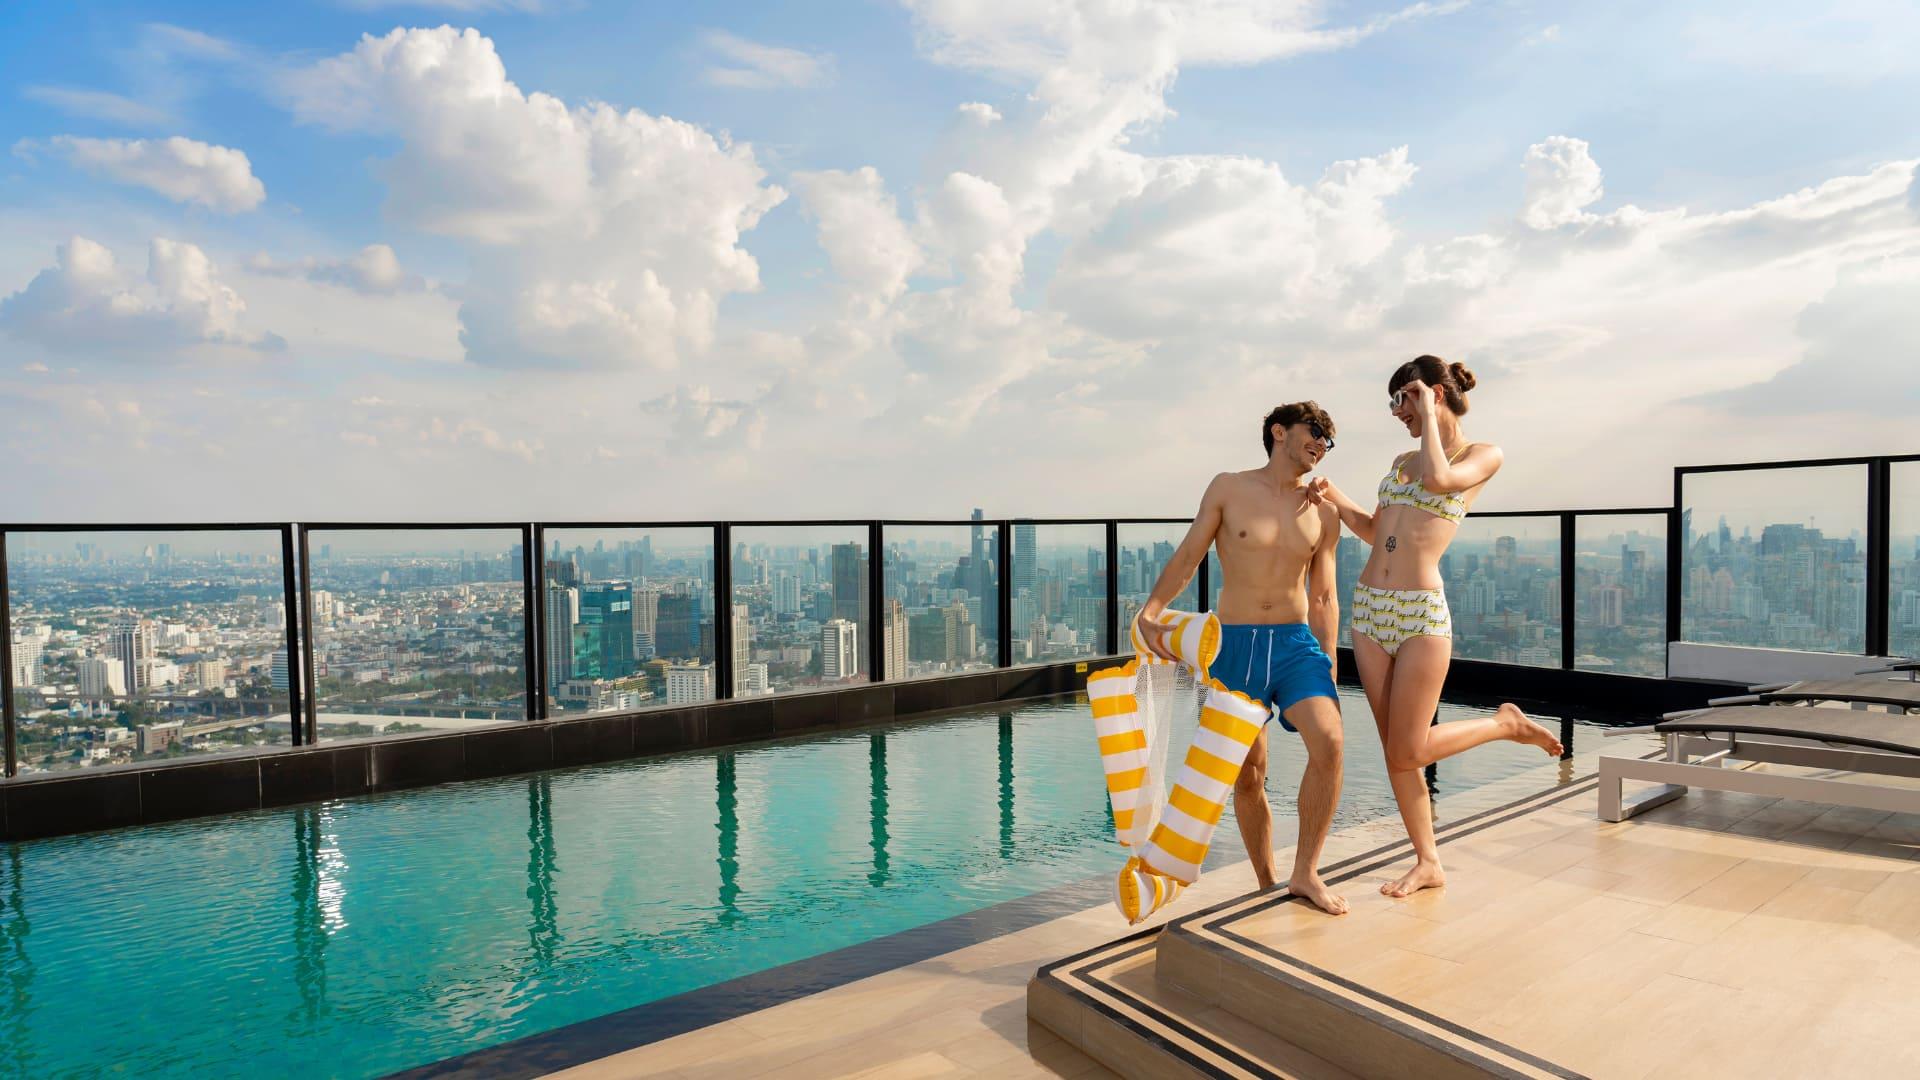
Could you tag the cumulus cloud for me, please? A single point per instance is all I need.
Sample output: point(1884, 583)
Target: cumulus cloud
point(217, 177)
point(1562, 180)
point(695, 414)
point(84, 301)
point(98, 105)
point(575, 264)
point(373, 271)
point(751, 65)
point(860, 227)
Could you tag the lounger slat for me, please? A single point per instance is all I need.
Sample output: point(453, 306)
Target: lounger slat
point(1847, 727)
point(1866, 688)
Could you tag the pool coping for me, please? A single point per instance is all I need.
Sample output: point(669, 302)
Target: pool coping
point(603, 1036)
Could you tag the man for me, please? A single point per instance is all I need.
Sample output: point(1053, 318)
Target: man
point(1276, 547)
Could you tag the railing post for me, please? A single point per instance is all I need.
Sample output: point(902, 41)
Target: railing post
point(297, 678)
point(1879, 556)
point(531, 572)
point(1203, 577)
point(876, 603)
point(310, 701)
point(537, 659)
point(1111, 644)
point(1003, 600)
point(1676, 563)
point(722, 611)
point(1569, 596)
point(6, 657)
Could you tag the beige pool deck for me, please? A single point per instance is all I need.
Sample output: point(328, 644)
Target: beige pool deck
point(1719, 935)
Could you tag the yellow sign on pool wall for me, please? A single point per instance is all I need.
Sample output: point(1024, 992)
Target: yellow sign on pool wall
point(1080, 668)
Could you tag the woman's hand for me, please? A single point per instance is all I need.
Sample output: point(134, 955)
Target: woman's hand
point(1420, 396)
point(1317, 490)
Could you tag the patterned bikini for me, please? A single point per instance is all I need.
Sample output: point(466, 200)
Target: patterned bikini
point(1391, 616)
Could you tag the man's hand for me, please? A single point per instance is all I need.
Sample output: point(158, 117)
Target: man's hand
point(1153, 633)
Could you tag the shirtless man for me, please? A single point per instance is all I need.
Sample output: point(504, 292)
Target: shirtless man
point(1277, 641)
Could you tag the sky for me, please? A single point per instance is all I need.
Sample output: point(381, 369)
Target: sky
point(505, 260)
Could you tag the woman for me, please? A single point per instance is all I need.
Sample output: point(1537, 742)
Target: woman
point(1402, 631)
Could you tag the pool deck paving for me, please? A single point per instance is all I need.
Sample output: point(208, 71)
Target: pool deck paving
point(1719, 935)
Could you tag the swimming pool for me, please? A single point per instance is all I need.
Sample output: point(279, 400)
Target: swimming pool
point(366, 935)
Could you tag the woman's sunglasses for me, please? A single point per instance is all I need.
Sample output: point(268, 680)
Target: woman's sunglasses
point(1398, 399)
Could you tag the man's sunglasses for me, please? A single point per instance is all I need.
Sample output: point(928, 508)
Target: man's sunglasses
point(1314, 429)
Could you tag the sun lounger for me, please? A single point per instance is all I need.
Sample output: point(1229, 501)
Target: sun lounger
point(1705, 749)
point(1898, 692)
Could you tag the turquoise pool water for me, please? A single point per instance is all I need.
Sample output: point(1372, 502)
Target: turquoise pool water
point(361, 936)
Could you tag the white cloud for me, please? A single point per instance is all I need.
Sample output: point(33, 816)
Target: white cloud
point(35, 368)
point(754, 66)
point(1562, 179)
point(98, 105)
point(374, 270)
point(860, 228)
point(360, 438)
point(694, 414)
point(85, 302)
point(575, 264)
point(186, 171)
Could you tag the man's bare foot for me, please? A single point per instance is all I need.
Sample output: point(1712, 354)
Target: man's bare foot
point(1522, 729)
point(1310, 888)
point(1424, 875)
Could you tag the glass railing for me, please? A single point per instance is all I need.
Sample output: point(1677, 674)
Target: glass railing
point(1059, 589)
point(1775, 556)
point(942, 582)
point(127, 645)
point(621, 615)
point(801, 615)
point(416, 629)
point(147, 645)
point(1502, 577)
point(1620, 593)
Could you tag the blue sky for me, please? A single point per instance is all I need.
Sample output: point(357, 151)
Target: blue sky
point(1143, 229)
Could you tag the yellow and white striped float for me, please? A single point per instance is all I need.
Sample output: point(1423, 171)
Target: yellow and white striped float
point(1133, 706)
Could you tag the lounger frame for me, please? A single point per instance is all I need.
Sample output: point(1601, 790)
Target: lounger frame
point(1725, 763)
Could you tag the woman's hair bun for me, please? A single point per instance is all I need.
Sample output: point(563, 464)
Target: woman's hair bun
point(1462, 377)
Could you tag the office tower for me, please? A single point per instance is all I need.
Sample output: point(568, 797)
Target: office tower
point(1025, 559)
point(324, 607)
point(606, 607)
point(689, 683)
point(131, 643)
point(893, 625)
point(677, 629)
point(646, 616)
point(562, 613)
point(786, 594)
point(743, 652)
point(757, 683)
point(280, 675)
point(850, 601)
point(839, 650)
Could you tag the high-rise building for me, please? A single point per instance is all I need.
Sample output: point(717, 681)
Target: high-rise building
point(893, 638)
point(102, 677)
point(323, 607)
point(757, 683)
point(743, 652)
point(131, 643)
point(606, 613)
point(677, 629)
point(850, 590)
point(1025, 559)
point(689, 683)
point(646, 616)
point(280, 674)
point(563, 611)
point(839, 650)
point(26, 661)
point(786, 594)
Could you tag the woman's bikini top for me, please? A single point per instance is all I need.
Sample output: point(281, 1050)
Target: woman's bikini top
point(1396, 491)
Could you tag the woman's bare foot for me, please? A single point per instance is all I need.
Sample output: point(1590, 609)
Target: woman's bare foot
point(1310, 888)
point(1424, 875)
point(1522, 729)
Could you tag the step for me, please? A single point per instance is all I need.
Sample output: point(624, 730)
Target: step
point(1108, 1004)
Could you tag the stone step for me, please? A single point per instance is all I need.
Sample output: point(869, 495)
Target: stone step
point(1108, 1004)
